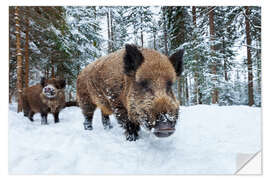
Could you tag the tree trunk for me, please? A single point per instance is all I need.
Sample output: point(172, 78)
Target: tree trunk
point(179, 90)
point(249, 61)
point(200, 97)
point(52, 69)
point(9, 98)
point(165, 31)
point(225, 61)
point(26, 63)
point(258, 67)
point(141, 31)
point(187, 93)
point(70, 96)
point(11, 90)
point(196, 75)
point(19, 60)
point(155, 44)
point(60, 71)
point(46, 72)
point(109, 32)
point(111, 29)
point(213, 68)
point(183, 90)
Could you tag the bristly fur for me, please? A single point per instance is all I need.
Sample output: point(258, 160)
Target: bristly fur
point(34, 101)
point(133, 58)
point(134, 84)
point(177, 61)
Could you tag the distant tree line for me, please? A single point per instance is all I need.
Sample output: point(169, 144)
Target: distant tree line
point(60, 41)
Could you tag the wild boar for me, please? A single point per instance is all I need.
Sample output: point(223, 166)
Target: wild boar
point(46, 97)
point(134, 84)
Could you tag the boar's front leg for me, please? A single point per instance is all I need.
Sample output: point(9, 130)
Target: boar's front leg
point(44, 118)
point(56, 117)
point(131, 128)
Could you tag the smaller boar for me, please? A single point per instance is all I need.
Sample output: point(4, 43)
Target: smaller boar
point(46, 97)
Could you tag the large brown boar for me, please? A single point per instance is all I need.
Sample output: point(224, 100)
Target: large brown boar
point(134, 84)
point(46, 97)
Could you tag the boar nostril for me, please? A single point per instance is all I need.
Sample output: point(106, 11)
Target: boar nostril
point(166, 117)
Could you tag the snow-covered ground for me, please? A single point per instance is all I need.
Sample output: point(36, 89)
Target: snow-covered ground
point(206, 141)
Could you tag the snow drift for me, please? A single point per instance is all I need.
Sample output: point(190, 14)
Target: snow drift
point(206, 141)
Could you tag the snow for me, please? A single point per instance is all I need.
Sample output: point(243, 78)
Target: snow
point(206, 141)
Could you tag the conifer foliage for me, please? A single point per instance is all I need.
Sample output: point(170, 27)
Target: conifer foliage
point(222, 61)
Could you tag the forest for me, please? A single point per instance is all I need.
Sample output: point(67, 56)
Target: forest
point(222, 60)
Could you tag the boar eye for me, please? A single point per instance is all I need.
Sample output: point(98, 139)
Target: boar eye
point(145, 85)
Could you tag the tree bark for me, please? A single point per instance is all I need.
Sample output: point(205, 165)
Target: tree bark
point(258, 67)
point(213, 68)
point(46, 72)
point(19, 60)
point(141, 31)
point(249, 60)
point(187, 93)
point(225, 61)
point(52, 69)
point(179, 90)
point(111, 29)
point(196, 75)
point(70, 96)
point(165, 31)
point(183, 90)
point(109, 32)
point(26, 63)
point(155, 44)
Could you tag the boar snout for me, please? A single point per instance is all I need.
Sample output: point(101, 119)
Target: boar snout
point(165, 126)
point(49, 91)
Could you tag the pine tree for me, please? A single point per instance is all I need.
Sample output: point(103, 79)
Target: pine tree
point(213, 65)
point(139, 19)
point(249, 60)
point(165, 30)
point(19, 59)
point(26, 53)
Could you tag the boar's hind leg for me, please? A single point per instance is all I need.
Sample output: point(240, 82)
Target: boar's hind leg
point(26, 108)
point(44, 118)
point(88, 112)
point(30, 115)
point(106, 121)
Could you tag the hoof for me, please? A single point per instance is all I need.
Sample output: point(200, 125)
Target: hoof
point(44, 123)
point(108, 127)
point(132, 137)
point(87, 126)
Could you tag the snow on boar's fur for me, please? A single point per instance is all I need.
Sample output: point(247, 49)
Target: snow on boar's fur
point(134, 84)
point(46, 97)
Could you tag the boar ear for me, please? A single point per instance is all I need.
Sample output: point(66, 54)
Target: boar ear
point(62, 83)
point(177, 61)
point(42, 81)
point(133, 58)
